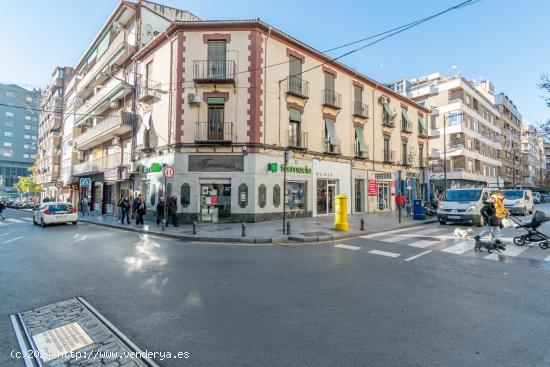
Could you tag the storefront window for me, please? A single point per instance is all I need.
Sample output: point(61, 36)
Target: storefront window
point(326, 190)
point(153, 195)
point(243, 195)
point(262, 195)
point(145, 190)
point(276, 196)
point(185, 192)
point(296, 197)
point(215, 202)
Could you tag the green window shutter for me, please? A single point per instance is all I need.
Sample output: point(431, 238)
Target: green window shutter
point(295, 115)
point(329, 81)
point(331, 131)
point(405, 115)
point(295, 66)
point(422, 123)
point(361, 140)
point(216, 50)
point(388, 110)
point(216, 101)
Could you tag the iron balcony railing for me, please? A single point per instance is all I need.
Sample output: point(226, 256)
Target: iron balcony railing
point(332, 99)
point(389, 156)
point(297, 139)
point(113, 122)
point(362, 153)
point(148, 90)
point(297, 86)
point(387, 121)
point(360, 109)
point(214, 132)
point(406, 127)
point(330, 148)
point(209, 71)
point(423, 133)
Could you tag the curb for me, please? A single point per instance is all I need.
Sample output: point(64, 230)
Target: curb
point(274, 240)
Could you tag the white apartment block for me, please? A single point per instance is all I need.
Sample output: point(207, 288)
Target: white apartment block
point(533, 161)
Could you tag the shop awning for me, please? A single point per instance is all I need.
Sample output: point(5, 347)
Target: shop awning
point(331, 131)
point(363, 147)
point(388, 110)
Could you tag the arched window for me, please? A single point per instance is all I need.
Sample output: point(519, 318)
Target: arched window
point(185, 193)
point(262, 195)
point(243, 195)
point(276, 196)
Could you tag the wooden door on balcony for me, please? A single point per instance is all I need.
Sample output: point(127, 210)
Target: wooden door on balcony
point(215, 122)
point(216, 59)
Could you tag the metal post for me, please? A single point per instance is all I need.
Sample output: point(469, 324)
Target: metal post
point(195, 227)
point(362, 224)
point(445, 150)
point(288, 228)
point(285, 159)
point(164, 209)
point(243, 234)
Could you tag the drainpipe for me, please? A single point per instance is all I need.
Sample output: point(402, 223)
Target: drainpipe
point(374, 141)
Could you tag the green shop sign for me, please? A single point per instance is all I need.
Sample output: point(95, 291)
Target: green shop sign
point(154, 168)
point(272, 167)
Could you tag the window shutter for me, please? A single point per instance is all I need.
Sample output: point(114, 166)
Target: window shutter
point(295, 115)
point(295, 67)
point(329, 81)
point(216, 50)
point(331, 131)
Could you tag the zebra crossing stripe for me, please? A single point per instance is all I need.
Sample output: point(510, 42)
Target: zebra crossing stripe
point(13, 220)
point(384, 253)
point(512, 251)
point(348, 247)
point(27, 219)
point(385, 233)
point(460, 248)
point(422, 244)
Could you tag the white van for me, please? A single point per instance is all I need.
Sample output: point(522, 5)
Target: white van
point(462, 205)
point(519, 201)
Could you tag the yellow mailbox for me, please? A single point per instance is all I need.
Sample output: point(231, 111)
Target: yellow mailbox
point(341, 216)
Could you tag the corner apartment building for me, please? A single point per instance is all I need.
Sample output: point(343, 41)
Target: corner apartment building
point(463, 128)
point(509, 122)
point(18, 134)
point(533, 159)
point(50, 130)
point(100, 104)
point(212, 105)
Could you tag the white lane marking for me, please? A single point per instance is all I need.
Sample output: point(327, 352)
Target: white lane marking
point(392, 231)
point(348, 247)
point(27, 219)
point(547, 258)
point(4, 234)
point(384, 253)
point(13, 220)
point(13, 239)
point(512, 251)
point(3, 224)
point(415, 234)
point(460, 248)
point(422, 244)
point(417, 256)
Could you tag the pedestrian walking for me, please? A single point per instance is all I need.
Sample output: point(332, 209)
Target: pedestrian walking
point(493, 212)
point(85, 205)
point(140, 212)
point(125, 208)
point(2, 207)
point(160, 210)
point(135, 204)
point(172, 211)
point(120, 208)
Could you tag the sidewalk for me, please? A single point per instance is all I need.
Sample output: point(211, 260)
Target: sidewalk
point(312, 229)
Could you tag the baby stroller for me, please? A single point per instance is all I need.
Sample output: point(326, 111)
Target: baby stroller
point(532, 235)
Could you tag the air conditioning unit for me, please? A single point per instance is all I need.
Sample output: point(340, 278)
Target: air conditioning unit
point(383, 99)
point(193, 98)
point(116, 140)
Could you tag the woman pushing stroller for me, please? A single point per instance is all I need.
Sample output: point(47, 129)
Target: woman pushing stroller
point(493, 211)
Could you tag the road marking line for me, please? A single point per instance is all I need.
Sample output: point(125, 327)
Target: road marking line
point(406, 236)
point(422, 244)
point(460, 248)
point(384, 253)
point(348, 247)
point(4, 224)
point(391, 232)
point(417, 256)
point(512, 252)
point(4, 234)
point(13, 239)
point(547, 258)
point(27, 219)
point(13, 220)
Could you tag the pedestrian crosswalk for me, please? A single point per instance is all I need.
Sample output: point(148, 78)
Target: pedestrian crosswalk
point(441, 238)
point(8, 221)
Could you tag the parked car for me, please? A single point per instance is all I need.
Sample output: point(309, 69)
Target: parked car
point(537, 198)
point(462, 205)
point(519, 201)
point(55, 212)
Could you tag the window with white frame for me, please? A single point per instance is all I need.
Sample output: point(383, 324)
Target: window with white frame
point(27, 146)
point(7, 144)
point(8, 123)
point(25, 155)
point(455, 117)
point(9, 114)
point(8, 153)
point(28, 118)
point(29, 99)
point(33, 137)
point(27, 127)
point(10, 94)
point(27, 136)
point(8, 134)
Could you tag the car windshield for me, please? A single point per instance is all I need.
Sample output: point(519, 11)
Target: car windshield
point(59, 207)
point(462, 195)
point(513, 194)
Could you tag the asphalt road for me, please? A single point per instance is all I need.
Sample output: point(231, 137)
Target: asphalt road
point(270, 305)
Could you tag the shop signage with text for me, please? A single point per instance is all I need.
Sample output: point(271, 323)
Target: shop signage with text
point(372, 187)
point(272, 167)
point(153, 168)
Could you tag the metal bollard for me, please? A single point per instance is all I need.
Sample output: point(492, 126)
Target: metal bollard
point(243, 230)
point(287, 228)
point(195, 227)
point(362, 224)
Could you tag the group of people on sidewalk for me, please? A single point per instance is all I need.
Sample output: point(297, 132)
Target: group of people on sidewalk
point(138, 208)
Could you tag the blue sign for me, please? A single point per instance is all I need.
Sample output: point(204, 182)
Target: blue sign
point(85, 182)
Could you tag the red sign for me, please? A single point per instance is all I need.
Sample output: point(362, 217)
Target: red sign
point(214, 200)
point(372, 187)
point(168, 172)
point(393, 188)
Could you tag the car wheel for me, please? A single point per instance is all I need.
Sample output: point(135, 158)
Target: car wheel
point(442, 222)
point(34, 221)
point(42, 224)
point(75, 223)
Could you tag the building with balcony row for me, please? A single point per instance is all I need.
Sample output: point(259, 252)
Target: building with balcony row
point(18, 134)
point(50, 132)
point(533, 162)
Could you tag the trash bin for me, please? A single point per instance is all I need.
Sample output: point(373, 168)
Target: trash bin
point(341, 213)
point(418, 210)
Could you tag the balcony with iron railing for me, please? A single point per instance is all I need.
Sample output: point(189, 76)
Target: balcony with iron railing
point(389, 156)
point(363, 154)
point(406, 127)
point(214, 132)
point(116, 124)
point(148, 91)
point(296, 139)
point(99, 164)
point(214, 71)
point(330, 148)
point(423, 162)
point(332, 99)
point(360, 110)
point(422, 132)
point(297, 87)
point(387, 120)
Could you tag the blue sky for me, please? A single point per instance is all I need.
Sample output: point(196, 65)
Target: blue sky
point(506, 41)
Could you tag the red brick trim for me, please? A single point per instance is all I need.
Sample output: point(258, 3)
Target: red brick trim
point(329, 115)
point(295, 106)
point(329, 70)
point(357, 84)
point(290, 52)
point(180, 78)
point(217, 37)
point(255, 90)
point(387, 133)
point(206, 95)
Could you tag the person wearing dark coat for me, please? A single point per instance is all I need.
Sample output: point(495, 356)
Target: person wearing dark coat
point(160, 210)
point(140, 212)
point(2, 207)
point(489, 213)
point(172, 210)
point(125, 209)
point(135, 204)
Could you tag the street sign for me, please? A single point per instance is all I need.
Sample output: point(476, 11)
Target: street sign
point(85, 182)
point(59, 184)
point(168, 172)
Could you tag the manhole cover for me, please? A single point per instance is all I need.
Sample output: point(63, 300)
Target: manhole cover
point(309, 234)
